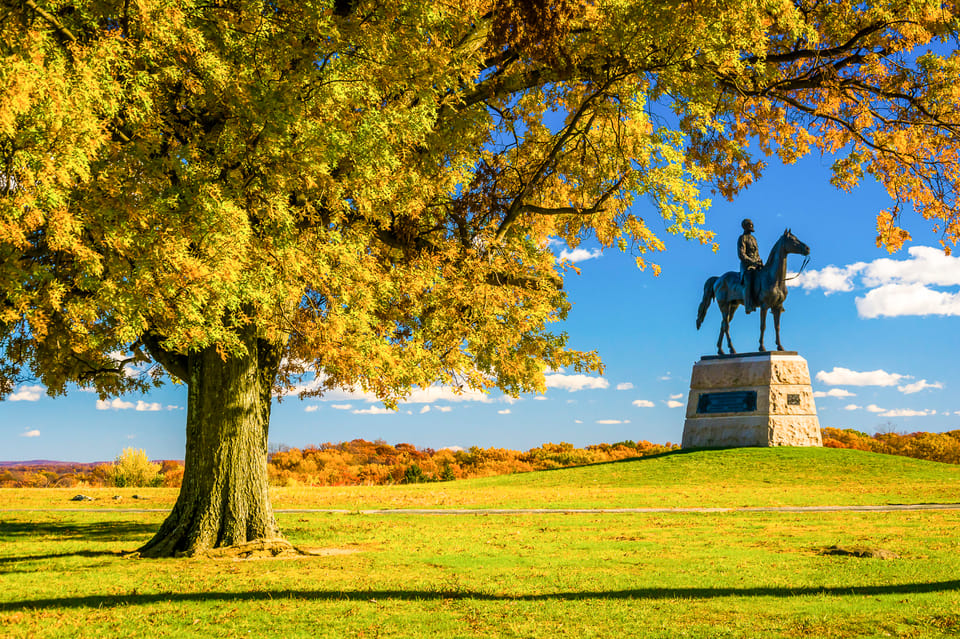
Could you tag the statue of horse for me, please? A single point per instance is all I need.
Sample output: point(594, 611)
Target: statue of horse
point(771, 280)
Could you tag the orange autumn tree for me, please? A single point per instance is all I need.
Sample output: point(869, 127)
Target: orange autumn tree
point(231, 194)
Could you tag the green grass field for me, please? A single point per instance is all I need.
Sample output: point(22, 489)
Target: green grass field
point(731, 574)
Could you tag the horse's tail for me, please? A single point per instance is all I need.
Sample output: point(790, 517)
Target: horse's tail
point(707, 298)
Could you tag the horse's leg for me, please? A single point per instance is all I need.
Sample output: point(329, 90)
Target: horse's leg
point(776, 325)
point(723, 327)
point(731, 309)
point(763, 326)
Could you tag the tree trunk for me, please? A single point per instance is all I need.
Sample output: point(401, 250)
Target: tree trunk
point(223, 500)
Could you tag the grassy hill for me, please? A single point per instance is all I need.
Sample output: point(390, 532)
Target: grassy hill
point(749, 477)
point(743, 477)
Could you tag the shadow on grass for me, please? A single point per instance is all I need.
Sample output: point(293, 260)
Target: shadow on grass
point(612, 462)
point(639, 594)
point(97, 531)
point(22, 563)
point(59, 555)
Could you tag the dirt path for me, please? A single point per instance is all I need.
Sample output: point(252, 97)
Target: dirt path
point(884, 508)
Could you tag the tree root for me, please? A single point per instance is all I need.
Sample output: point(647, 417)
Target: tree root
point(256, 549)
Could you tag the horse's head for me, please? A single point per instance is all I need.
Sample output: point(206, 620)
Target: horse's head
point(792, 245)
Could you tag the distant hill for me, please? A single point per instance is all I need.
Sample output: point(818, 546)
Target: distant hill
point(48, 463)
point(52, 464)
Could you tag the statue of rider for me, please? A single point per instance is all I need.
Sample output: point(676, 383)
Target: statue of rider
point(750, 264)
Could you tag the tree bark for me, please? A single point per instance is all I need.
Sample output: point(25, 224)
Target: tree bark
point(224, 497)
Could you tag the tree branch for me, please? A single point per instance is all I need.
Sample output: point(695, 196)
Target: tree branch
point(550, 280)
point(175, 363)
point(572, 210)
point(515, 208)
point(52, 20)
point(804, 54)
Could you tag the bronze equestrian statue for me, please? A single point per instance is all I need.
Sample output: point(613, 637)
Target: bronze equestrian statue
point(768, 284)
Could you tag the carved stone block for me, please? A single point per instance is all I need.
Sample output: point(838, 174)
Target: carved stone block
point(755, 399)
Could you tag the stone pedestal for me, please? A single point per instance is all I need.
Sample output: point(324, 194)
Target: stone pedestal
point(753, 399)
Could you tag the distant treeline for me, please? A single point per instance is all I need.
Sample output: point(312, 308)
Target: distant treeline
point(940, 447)
point(360, 462)
point(355, 463)
point(167, 472)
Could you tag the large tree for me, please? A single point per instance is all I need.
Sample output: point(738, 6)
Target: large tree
point(242, 192)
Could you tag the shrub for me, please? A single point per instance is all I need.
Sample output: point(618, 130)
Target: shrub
point(414, 475)
point(133, 468)
point(447, 473)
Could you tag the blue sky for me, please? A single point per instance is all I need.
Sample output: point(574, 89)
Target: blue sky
point(879, 333)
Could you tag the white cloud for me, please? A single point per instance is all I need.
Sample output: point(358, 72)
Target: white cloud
point(643, 403)
point(129, 370)
point(666, 378)
point(831, 279)
point(341, 406)
point(27, 394)
point(575, 382)
point(846, 377)
point(613, 421)
point(541, 398)
point(444, 409)
point(174, 407)
point(674, 404)
point(896, 412)
point(579, 254)
point(114, 404)
point(432, 394)
point(315, 384)
point(578, 421)
point(144, 407)
point(852, 407)
point(425, 409)
point(834, 392)
point(897, 287)
point(907, 412)
point(312, 408)
point(427, 395)
point(624, 386)
point(30, 433)
point(894, 300)
point(916, 387)
point(927, 265)
point(505, 411)
point(374, 410)
point(676, 396)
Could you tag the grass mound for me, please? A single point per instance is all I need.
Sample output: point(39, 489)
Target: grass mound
point(732, 478)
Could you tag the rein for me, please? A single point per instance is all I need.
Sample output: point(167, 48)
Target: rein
point(806, 260)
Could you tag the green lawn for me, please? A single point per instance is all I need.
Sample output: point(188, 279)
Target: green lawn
point(733, 574)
